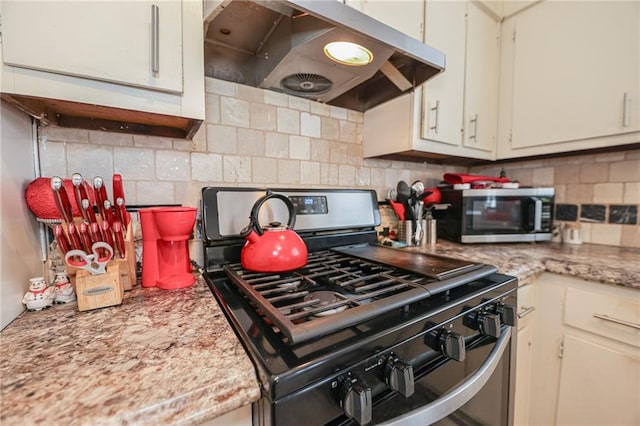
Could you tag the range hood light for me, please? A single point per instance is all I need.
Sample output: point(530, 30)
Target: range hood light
point(347, 53)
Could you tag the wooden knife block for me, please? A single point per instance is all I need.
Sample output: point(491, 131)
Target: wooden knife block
point(127, 266)
point(99, 291)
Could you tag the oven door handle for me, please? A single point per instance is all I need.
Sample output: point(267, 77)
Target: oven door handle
point(458, 396)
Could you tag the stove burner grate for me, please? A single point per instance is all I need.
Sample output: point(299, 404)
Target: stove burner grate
point(361, 289)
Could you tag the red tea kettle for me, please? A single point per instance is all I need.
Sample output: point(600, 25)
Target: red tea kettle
point(276, 247)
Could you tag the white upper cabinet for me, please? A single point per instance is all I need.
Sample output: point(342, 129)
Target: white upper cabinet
point(109, 41)
point(403, 15)
point(570, 78)
point(134, 66)
point(461, 105)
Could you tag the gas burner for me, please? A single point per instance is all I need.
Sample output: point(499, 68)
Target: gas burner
point(325, 303)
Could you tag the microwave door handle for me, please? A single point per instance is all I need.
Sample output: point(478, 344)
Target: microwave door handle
point(458, 396)
point(537, 216)
point(533, 215)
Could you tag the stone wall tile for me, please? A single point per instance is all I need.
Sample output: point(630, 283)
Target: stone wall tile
point(206, 167)
point(134, 163)
point(251, 142)
point(288, 121)
point(222, 139)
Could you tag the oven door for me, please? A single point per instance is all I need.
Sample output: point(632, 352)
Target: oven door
point(474, 392)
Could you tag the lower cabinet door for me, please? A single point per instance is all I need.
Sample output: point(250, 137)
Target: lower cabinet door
point(599, 385)
point(523, 376)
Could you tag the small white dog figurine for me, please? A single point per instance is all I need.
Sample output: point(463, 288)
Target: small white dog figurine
point(39, 295)
point(64, 292)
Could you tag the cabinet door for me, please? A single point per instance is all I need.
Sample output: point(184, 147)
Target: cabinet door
point(481, 79)
point(524, 353)
point(575, 72)
point(599, 384)
point(403, 15)
point(443, 95)
point(108, 41)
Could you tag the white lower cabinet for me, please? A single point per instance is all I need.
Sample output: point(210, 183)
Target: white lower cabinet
point(585, 366)
point(524, 353)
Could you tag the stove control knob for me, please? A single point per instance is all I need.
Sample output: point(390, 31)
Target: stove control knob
point(355, 400)
point(399, 376)
point(507, 314)
point(452, 345)
point(489, 324)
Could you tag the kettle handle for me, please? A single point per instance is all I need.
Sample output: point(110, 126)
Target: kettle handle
point(253, 219)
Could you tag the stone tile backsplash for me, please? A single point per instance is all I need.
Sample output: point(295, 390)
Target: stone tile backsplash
point(250, 137)
point(253, 137)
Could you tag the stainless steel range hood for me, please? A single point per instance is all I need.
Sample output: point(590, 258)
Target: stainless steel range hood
point(279, 45)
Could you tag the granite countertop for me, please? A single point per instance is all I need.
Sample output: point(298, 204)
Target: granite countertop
point(162, 357)
point(591, 262)
point(171, 357)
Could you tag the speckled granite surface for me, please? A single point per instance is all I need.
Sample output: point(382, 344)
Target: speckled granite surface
point(170, 357)
point(162, 357)
point(598, 263)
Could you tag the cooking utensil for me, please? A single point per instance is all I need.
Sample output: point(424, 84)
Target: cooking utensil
point(80, 192)
point(74, 238)
point(118, 194)
point(100, 192)
point(61, 239)
point(119, 238)
point(398, 208)
point(88, 211)
point(403, 192)
point(85, 238)
point(107, 237)
point(93, 262)
point(276, 247)
point(61, 199)
point(108, 212)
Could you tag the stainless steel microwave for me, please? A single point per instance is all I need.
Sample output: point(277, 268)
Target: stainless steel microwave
point(497, 215)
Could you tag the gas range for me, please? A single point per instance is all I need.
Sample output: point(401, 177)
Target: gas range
point(362, 333)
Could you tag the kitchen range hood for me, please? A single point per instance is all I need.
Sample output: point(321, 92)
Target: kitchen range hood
point(283, 45)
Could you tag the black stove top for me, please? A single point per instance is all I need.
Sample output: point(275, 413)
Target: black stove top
point(336, 289)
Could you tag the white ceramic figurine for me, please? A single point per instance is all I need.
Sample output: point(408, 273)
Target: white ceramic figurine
point(39, 295)
point(64, 292)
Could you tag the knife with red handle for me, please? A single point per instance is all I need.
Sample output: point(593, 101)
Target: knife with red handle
point(119, 238)
point(61, 199)
point(74, 237)
point(118, 195)
point(100, 192)
point(108, 212)
point(61, 239)
point(107, 237)
point(96, 237)
point(85, 238)
point(80, 191)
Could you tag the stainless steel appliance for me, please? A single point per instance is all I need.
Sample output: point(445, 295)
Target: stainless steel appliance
point(362, 334)
point(497, 215)
point(282, 46)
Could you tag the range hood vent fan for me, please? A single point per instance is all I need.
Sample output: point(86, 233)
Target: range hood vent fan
point(305, 83)
point(279, 45)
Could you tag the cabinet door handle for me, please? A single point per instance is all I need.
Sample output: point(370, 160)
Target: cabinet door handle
point(435, 110)
point(617, 321)
point(526, 310)
point(626, 102)
point(474, 121)
point(155, 38)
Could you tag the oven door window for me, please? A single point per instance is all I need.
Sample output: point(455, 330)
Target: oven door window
point(495, 215)
point(489, 405)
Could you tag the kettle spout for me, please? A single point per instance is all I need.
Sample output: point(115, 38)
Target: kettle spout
point(252, 237)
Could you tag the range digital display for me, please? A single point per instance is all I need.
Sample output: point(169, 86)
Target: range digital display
point(310, 204)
